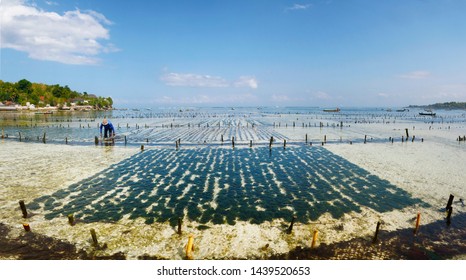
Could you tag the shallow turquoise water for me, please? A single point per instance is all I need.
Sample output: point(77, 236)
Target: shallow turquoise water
point(224, 185)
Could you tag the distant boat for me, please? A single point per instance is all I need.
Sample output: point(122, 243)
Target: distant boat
point(402, 110)
point(332, 110)
point(427, 114)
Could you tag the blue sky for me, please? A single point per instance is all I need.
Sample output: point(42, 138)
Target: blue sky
point(241, 53)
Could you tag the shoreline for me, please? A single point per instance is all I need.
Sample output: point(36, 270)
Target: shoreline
point(428, 244)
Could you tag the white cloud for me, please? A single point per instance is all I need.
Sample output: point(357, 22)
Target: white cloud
point(246, 81)
point(197, 80)
point(298, 7)
point(71, 38)
point(416, 75)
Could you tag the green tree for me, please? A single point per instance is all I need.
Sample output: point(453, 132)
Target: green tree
point(24, 86)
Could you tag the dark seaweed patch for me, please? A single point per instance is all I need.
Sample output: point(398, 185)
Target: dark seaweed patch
point(254, 185)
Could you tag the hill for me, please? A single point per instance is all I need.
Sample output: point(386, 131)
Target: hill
point(443, 106)
point(42, 95)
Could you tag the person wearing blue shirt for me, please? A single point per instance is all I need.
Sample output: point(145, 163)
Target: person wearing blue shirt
point(109, 130)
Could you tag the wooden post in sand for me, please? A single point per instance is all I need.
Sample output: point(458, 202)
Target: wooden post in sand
point(306, 138)
point(96, 140)
point(142, 147)
point(271, 141)
point(94, 238)
point(284, 143)
point(26, 227)
point(314, 239)
point(71, 219)
point(376, 233)
point(418, 219)
point(179, 226)
point(407, 134)
point(19, 136)
point(450, 201)
point(23, 208)
point(250, 143)
point(233, 142)
point(290, 228)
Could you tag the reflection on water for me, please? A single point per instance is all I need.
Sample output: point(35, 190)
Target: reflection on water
point(224, 186)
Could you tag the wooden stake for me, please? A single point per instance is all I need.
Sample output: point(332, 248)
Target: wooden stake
point(179, 226)
point(94, 238)
point(417, 223)
point(26, 227)
point(290, 228)
point(314, 239)
point(96, 141)
point(190, 247)
point(142, 147)
point(71, 219)
point(23, 208)
point(376, 233)
point(450, 201)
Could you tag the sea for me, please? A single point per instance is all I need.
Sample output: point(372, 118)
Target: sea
point(247, 183)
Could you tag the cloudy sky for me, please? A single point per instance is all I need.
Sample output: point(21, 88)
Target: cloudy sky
point(242, 52)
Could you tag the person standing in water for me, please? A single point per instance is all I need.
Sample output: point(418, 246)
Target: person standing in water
point(109, 130)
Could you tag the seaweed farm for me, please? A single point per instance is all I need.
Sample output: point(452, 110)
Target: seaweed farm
point(248, 183)
point(224, 186)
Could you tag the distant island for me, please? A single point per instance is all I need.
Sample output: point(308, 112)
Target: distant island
point(24, 95)
point(442, 106)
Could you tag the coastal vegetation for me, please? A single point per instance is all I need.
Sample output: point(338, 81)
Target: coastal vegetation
point(443, 106)
point(41, 95)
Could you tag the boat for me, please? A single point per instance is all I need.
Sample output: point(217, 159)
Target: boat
point(427, 114)
point(332, 110)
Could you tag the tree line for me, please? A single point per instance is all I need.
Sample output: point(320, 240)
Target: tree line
point(444, 106)
point(42, 95)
